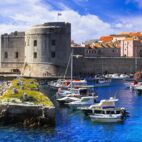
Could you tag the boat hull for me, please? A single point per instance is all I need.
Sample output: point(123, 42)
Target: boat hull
point(106, 119)
point(77, 106)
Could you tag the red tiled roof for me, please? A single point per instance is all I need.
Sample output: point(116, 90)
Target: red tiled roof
point(106, 38)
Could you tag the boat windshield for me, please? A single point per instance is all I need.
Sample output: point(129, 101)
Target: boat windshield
point(110, 112)
point(98, 111)
point(85, 99)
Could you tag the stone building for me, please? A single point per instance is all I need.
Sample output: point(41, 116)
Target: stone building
point(131, 47)
point(100, 49)
point(43, 50)
point(12, 48)
point(47, 49)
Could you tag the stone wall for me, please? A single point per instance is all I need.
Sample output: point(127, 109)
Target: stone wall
point(112, 65)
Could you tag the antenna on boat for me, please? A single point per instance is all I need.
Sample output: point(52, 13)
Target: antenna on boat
point(115, 94)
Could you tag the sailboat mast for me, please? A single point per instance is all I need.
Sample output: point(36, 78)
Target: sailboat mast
point(71, 67)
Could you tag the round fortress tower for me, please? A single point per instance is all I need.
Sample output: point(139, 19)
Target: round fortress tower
point(47, 49)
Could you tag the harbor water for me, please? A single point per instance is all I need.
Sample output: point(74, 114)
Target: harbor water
point(74, 126)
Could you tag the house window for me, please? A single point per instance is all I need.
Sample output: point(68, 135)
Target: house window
point(53, 54)
point(35, 54)
point(16, 55)
point(35, 42)
point(53, 42)
point(5, 55)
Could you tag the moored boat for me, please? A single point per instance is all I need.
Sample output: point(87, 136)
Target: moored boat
point(134, 85)
point(99, 81)
point(105, 109)
point(67, 83)
point(67, 99)
point(74, 92)
point(82, 102)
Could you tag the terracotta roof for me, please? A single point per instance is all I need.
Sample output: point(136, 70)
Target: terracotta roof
point(106, 38)
point(135, 34)
point(103, 45)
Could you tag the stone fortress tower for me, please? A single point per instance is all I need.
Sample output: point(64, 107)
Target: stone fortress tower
point(47, 49)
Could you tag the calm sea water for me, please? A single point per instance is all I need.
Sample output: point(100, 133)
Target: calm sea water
point(73, 126)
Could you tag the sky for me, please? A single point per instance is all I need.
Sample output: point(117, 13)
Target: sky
point(89, 19)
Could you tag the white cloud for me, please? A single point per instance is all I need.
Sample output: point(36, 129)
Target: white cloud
point(25, 13)
point(130, 23)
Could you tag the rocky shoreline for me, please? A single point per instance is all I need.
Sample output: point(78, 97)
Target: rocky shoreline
point(27, 115)
point(31, 109)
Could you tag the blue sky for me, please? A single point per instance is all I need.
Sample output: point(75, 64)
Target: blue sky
point(89, 18)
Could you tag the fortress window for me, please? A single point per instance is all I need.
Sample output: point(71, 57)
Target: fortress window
point(5, 55)
point(16, 55)
point(35, 42)
point(28, 42)
point(53, 54)
point(53, 42)
point(35, 54)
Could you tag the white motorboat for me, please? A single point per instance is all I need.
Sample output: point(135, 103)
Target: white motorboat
point(74, 92)
point(82, 102)
point(104, 105)
point(134, 85)
point(106, 111)
point(67, 99)
point(121, 76)
point(67, 83)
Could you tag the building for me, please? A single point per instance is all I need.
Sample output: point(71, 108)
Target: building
point(102, 49)
point(12, 48)
point(131, 47)
point(47, 49)
point(43, 50)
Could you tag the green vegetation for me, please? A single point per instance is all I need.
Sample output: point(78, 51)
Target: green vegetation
point(25, 90)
